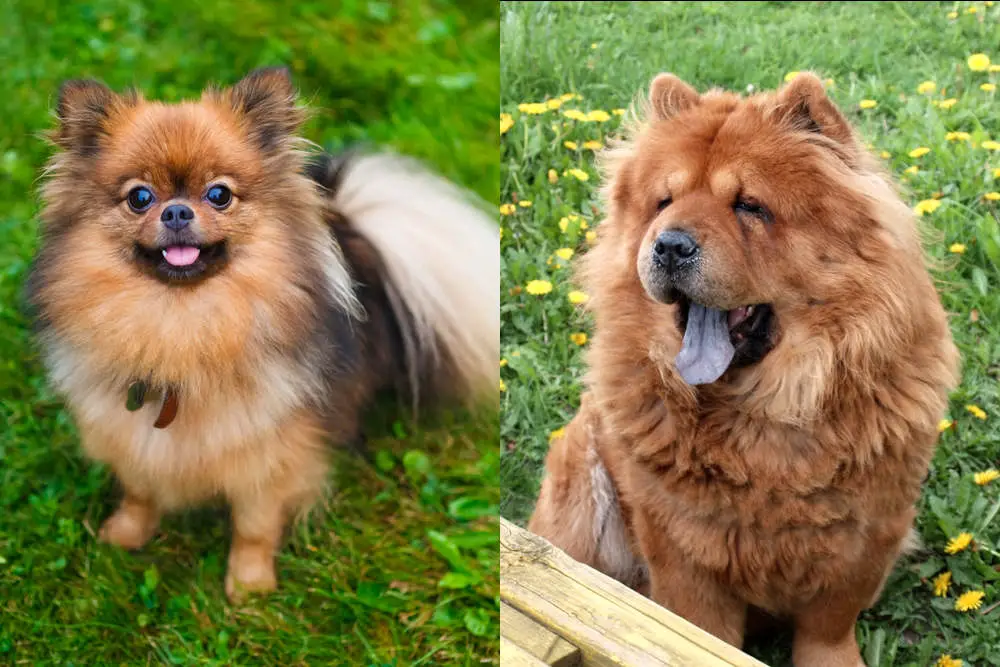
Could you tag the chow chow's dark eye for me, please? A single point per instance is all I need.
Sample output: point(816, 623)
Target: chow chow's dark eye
point(663, 203)
point(752, 207)
point(140, 198)
point(219, 196)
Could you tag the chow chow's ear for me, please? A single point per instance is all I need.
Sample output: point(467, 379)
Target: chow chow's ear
point(265, 98)
point(82, 109)
point(804, 105)
point(668, 96)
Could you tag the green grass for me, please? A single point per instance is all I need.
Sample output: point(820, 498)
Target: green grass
point(606, 52)
point(400, 566)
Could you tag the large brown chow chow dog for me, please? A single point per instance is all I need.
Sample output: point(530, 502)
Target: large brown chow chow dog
point(769, 366)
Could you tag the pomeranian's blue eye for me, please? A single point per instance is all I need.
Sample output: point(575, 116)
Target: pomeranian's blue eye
point(219, 196)
point(140, 198)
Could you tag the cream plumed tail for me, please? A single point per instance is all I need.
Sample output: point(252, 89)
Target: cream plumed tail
point(442, 255)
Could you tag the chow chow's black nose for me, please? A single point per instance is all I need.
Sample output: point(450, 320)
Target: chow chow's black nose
point(176, 216)
point(673, 249)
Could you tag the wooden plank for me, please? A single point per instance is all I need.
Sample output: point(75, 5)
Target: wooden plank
point(512, 655)
point(536, 639)
point(610, 623)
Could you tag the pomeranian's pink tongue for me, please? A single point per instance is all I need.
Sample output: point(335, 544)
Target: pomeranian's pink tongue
point(181, 255)
point(706, 351)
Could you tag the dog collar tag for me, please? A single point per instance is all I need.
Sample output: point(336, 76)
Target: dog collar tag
point(136, 396)
point(168, 411)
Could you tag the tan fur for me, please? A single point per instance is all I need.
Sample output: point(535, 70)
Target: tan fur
point(275, 356)
point(788, 485)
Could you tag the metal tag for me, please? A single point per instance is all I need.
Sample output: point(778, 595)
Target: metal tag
point(136, 396)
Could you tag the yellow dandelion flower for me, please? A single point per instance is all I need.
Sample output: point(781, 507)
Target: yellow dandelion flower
point(553, 104)
point(996, 173)
point(593, 145)
point(992, 196)
point(532, 108)
point(978, 62)
point(565, 220)
point(991, 145)
point(593, 45)
point(926, 87)
point(957, 136)
point(790, 76)
point(941, 584)
point(985, 477)
point(830, 83)
point(591, 236)
point(553, 176)
point(953, 15)
point(927, 206)
point(576, 297)
point(957, 248)
point(503, 386)
point(578, 174)
point(947, 660)
point(969, 600)
point(958, 543)
point(565, 253)
point(944, 424)
point(867, 104)
point(538, 287)
point(885, 155)
point(911, 170)
point(971, 10)
point(503, 362)
point(507, 209)
point(506, 122)
point(598, 116)
point(558, 433)
point(618, 112)
point(995, 68)
point(948, 103)
point(919, 151)
point(570, 145)
point(524, 203)
point(574, 114)
point(988, 87)
point(976, 411)
point(579, 338)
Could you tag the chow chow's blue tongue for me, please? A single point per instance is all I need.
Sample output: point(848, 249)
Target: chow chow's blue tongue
point(706, 351)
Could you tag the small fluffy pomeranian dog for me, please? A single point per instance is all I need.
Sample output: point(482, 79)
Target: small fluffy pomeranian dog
point(217, 305)
point(768, 370)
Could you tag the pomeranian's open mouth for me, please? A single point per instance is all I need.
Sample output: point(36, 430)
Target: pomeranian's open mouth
point(716, 340)
point(182, 263)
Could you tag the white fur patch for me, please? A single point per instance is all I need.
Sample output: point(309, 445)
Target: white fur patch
point(614, 554)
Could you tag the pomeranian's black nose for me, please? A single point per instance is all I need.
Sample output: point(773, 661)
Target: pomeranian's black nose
point(176, 216)
point(674, 248)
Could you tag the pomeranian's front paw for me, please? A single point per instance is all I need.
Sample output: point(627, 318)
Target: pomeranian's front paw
point(131, 526)
point(251, 570)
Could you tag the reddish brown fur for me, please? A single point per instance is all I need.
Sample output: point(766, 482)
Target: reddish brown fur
point(788, 485)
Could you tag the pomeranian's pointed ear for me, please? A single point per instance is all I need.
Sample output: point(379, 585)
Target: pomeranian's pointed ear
point(805, 106)
point(668, 96)
point(266, 99)
point(83, 108)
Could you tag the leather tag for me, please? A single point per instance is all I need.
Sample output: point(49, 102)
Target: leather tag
point(169, 410)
